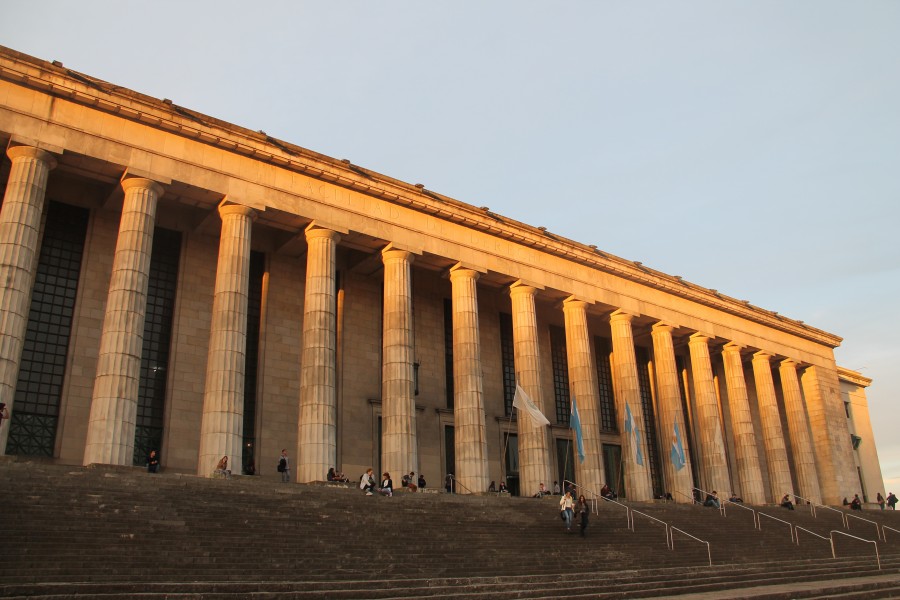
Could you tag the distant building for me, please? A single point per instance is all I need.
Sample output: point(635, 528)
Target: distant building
point(175, 282)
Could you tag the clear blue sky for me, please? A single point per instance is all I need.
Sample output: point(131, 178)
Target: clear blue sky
point(751, 147)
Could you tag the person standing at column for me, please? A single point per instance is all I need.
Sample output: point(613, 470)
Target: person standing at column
point(284, 466)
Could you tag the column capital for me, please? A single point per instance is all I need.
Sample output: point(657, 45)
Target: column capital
point(237, 209)
point(661, 327)
point(699, 338)
point(762, 356)
point(460, 272)
point(732, 347)
point(520, 288)
point(313, 232)
point(620, 315)
point(15, 152)
point(142, 182)
point(392, 254)
point(790, 363)
point(573, 303)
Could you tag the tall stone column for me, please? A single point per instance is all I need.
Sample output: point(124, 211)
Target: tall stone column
point(749, 472)
point(714, 464)
point(534, 440)
point(317, 429)
point(668, 393)
point(398, 408)
point(470, 440)
point(628, 393)
point(773, 436)
point(798, 430)
point(110, 436)
point(20, 232)
point(222, 424)
point(831, 434)
point(583, 381)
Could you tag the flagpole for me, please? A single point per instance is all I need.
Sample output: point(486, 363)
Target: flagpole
point(506, 440)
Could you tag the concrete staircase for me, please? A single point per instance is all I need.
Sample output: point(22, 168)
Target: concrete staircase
point(113, 532)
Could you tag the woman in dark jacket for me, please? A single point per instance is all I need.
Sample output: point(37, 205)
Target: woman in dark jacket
point(583, 511)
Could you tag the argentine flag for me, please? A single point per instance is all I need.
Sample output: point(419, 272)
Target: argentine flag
point(634, 436)
point(575, 424)
point(677, 453)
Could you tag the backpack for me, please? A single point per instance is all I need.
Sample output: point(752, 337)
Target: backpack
point(282, 465)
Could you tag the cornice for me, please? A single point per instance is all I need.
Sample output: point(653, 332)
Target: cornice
point(853, 377)
point(60, 82)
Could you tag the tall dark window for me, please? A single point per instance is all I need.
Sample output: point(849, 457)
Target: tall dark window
point(254, 312)
point(560, 373)
point(511, 461)
point(508, 360)
point(32, 429)
point(686, 431)
point(643, 371)
point(157, 336)
point(608, 419)
point(450, 450)
point(448, 350)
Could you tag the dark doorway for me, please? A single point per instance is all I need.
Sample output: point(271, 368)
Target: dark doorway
point(612, 465)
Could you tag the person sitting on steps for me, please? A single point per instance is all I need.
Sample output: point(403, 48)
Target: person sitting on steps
point(367, 482)
point(712, 500)
point(856, 503)
point(606, 492)
point(222, 468)
point(786, 502)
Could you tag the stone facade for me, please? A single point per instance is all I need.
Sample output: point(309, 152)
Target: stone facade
point(358, 321)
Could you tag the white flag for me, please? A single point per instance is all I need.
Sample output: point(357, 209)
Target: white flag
point(524, 403)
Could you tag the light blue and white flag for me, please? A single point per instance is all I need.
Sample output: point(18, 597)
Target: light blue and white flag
point(524, 403)
point(678, 459)
point(634, 436)
point(575, 424)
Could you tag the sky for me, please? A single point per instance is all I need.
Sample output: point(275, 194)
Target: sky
point(748, 146)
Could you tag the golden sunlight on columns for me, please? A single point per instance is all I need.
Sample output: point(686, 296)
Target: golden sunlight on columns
point(668, 393)
point(398, 408)
point(798, 431)
point(20, 231)
point(749, 472)
point(222, 425)
point(773, 436)
point(468, 401)
point(317, 429)
point(713, 464)
point(835, 462)
point(110, 437)
point(628, 394)
point(585, 392)
point(534, 440)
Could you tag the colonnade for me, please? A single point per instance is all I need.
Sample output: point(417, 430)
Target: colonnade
point(111, 429)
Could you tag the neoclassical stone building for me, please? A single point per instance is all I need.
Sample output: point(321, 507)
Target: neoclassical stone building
point(172, 281)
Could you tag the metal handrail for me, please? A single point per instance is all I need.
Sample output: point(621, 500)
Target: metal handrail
point(877, 557)
point(628, 522)
point(739, 505)
point(673, 529)
point(816, 505)
point(688, 496)
point(797, 530)
point(788, 523)
point(456, 482)
point(884, 535)
point(664, 524)
point(877, 531)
